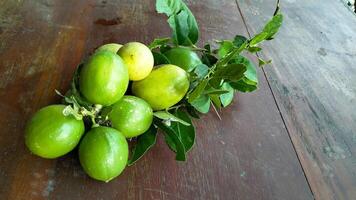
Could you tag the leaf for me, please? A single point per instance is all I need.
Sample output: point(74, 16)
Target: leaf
point(169, 7)
point(144, 143)
point(181, 20)
point(273, 25)
point(172, 139)
point(74, 90)
point(165, 115)
point(239, 40)
point(250, 74)
point(158, 42)
point(201, 71)
point(262, 62)
point(179, 25)
point(232, 54)
point(270, 29)
point(185, 133)
point(198, 90)
point(216, 100)
point(243, 86)
point(225, 47)
point(250, 80)
point(207, 47)
point(227, 98)
point(192, 111)
point(202, 103)
point(254, 49)
point(231, 72)
point(159, 58)
point(212, 91)
point(164, 48)
point(258, 38)
point(209, 59)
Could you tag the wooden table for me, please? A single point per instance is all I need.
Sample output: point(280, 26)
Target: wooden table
point(295, 138)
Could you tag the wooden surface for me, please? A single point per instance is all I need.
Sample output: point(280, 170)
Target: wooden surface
point(250, 154)
point(313, 78)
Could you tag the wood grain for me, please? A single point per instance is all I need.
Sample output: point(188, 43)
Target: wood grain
point(247, 155)
point(313, 79)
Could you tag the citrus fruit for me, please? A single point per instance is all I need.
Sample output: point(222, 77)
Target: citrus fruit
point(164, 87)
point(103, 153)
point(183, 57)
point(138, 59)
point(131, 115)
point(113, 47)
point(50, 134)
point(104, 78)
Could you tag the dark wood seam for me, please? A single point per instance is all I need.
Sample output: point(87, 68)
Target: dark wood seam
point(275, 100)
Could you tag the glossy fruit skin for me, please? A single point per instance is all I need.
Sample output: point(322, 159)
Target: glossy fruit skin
point(113, 47)
point(104, 78)
point(138, 59)
point(50, 134)
point(183, 57)
point(164, 87)
point(103, 153)
point(132, 116)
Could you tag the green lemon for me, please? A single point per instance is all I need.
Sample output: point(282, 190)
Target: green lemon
point(132, 116)
point(113, 47)
point(50, 134)
point(183, 57)
point(164, 87)
point(103, 153)
point(104, 78)
point(138, 59)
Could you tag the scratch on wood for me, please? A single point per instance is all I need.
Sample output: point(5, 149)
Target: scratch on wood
point(162, 192)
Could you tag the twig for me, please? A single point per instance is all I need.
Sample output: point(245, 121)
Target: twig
point(216, 111)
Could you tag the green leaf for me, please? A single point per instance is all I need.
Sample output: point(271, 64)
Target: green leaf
point(216, 100)
point(172, 139)
point(192, 111)
point(202, 103)
point(262, 62)
point(232, 54)
point(159, 58)
point(225, 47)
point(239, 40)
point(181, 20)
point(165, 48)
point(158, 42)
point(208, 59)
point(185, 133)
point(250, 80)
point(254, 49)
point(270, 29)
point(273, 25)
point(250, 73)
point(227, 98)
point(198, 90)
point(165, 115)
point(231, 72)
point(243, 85)
point(201, 71)
point(212, 91)
point(74, 90)
point(179, 25)
point(169, 7)
point(207, 47)
point(258, 38)
point(144, 143)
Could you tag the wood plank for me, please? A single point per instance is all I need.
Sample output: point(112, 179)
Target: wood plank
point(313, 78)
point(247, 155)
